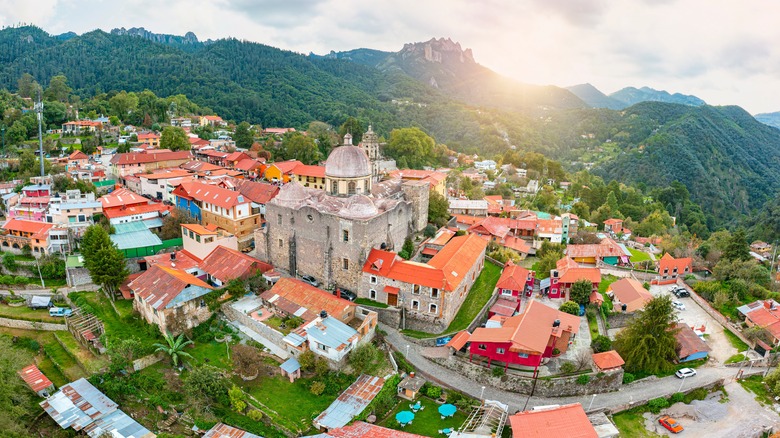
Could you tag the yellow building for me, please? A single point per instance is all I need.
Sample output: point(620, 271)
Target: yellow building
point(281, 171)
point(437, 180)
point(310, 176)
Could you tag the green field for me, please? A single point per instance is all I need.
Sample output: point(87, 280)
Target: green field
point(755, 384)
point(426, 422)
point(27, 314)
point(735, 341)
point(632, 424)
point(638, 256)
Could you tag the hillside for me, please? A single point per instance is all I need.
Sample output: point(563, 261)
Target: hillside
point(446, 66)
point(631, 96)
point(595, 98)
point(729, 162)
point(771, 119)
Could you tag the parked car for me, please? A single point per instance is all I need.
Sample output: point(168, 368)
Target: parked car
point(678, 305)
point(670, 424)
point(685, 372)
point(346, 294)
point(311, 280)
point(60, 311)
point(681, 292)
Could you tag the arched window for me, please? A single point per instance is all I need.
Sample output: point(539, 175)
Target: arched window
point(351, 188)
point(334, 187)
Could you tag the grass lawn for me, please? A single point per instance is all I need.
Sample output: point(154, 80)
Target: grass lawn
point(593, 324)
point(735, 341)
point(638, 256)
point(755, 384)
point(479, 294)
point(632, 424)
point(739, 357)
point(53, 352)
point(370, 303)
point(125, 326)
point(28, 314)
point(88, 360)
point(426, 422)
point(276, 323)
point(605, 282)
point(213, 353)
point(293, 404)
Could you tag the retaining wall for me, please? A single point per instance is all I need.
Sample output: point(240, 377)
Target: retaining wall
point(30, 325)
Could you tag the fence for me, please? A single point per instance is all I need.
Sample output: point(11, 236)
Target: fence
point(151, 250)
point(717, 316)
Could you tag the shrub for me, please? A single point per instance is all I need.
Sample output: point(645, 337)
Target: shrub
point(255, 415)
point(556, 352)
point(307, 360)
point(497, 371)
point(677, 397)
point(365, 359)
point(568, 368)
point(655, 405)
point(28, 343)
point(20, 280)
point(570, 307)
point(237, 398)
point(433, 392)
point(583, 379)
point(317, 388)
point(601, 344)
point(628, 378)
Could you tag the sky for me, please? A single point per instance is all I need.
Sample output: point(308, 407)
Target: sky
point(723, 51)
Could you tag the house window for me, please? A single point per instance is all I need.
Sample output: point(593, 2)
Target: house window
point(345, 235)
point(373, 279)
point(351, 188)
point(522, 355)
point(322, 347)
point(433, 308)
point(345, 263)
point(281, 243)
point(434, 292)
point(372, 294)
point(334, 187)
point(500, 350)
point(415, 305)
point(482, 347)
point(278, 219)
point(416, 289)
point(506, 292)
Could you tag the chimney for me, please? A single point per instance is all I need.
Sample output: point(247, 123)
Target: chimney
point(768, 304)
point(411, 374)
point(557, 323)
point(338, 292)
point(323, 314)
point(173, 256)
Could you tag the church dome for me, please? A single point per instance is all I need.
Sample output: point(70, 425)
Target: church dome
point(348, 162)
point(359, 207)
point(291, 194)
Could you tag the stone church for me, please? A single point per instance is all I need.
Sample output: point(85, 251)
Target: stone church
point(329, 233)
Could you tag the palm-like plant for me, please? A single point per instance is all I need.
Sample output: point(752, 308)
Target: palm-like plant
point(174, 347)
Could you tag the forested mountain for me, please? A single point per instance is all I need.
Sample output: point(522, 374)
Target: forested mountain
point(630, 96)
point(367, 57)
point(595, 98)
point(188, 39)
point(771, 119)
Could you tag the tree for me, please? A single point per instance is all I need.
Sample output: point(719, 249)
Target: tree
point(411, 144)
point(601, 343)
point(17, 133)
point(407, 251)
point(237, 398)
point(205, 385)
point(174, 347)
point(438, 209)
point(365, 359)
point(54, 113)
point(245, 360)
point(15, 396)
point(107, 268)
point(648, 343)
point(296, 146)
point(58, 89)
point(580, 291)
point(171, 227)
point(27, 86)
point(27, 162)
point(175, 139)
point(122, 104)
point(354, 127)
point(570, 307)
point(122, 352)
point(737, 247)
point(243, 136)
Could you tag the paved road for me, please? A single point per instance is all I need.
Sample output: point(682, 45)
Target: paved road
point(637, 391)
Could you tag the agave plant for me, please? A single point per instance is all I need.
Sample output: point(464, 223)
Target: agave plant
point(174, 347)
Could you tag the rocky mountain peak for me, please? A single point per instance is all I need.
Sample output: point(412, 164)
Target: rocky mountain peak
point(188, 38)
point(438, 50)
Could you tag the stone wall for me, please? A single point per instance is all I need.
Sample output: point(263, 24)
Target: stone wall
point(146, 361)
point(78, 276)
point(545, 386)
point(263, 330)
point(619, 320)
point(30, 325)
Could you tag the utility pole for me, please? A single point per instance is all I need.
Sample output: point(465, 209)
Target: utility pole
point(39, 113)
point(772, 265)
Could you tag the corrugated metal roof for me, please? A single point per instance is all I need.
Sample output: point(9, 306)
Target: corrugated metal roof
point(118, 425)
point(291, 365)
point(33, 377)
point(331, 332)
point(136, 239)
point(77, 404)
point(129, 227)
point(351, 402)
point(224, 431)
point(294, 339)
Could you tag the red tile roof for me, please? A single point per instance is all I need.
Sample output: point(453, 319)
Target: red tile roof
point(459, 340)
point(200, 166)
point(286, 166)
point(257, 192)
point(768, 319)
point(221, 430)
point(466, 219)
point(530, 331)
point(571, 272)
point(458, 256)
point(24, 226)
point(78, 155)
point(159, 285)
point(360, 429)
point(226, 264)
point(236, 156)
point(613, 222)
point(391, 290)
point(513, 277)
point(606, 248)
point(34, 378)
point(669, 262)
point(608, 360)
point(136, 209)
point(151, 157)
point(248, 164)
point(307, 170)
point(302, 295)
point(122, 198)
point(517, 244)
point(688, 342)
point(183, 260)
point(213, 153)
point(628, 290)
point(567, 421)
point(211, 194)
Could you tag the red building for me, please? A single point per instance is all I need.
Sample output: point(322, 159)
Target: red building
point(526, 338)
point(567, 273)
point(514, 281)
point(670, 268)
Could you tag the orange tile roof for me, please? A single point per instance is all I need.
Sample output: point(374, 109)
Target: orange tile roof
point(199, 229)
point(226, 264)
point(466, 220)
point(491, 225)
point(457, 257)
point(549, 226)
point(569, 421)
point(669, 262)
point(211, 194)
point(380, 262)
point(767, 319)
point(213, 153)
point(529, 332)
point(257, 192)
point(628, 290)
point(606, 248)
point(248, 164)
point(236, 156)
point(122, 198)
point(151, 157)
point(159, 285)
point(360, 429)
point(200, 166)
point(459, 340)
point(136, 209)
point(513, 277)
point(165, 173)
point(688, 342)
point(25, 226)
point(442, 237)
point(307, 170)
point(613, 222)
point(286, 166)
point(570, 272)
point(183, 260)
point(517, 244)
point(303, 295)
point(391, 290)
point(34, 378)
point(78, 155)
point(608, 360)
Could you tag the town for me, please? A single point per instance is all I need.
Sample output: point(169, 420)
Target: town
point(182, 280)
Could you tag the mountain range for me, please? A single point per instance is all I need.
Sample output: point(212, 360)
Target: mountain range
point(771, 119)
point(729, 162)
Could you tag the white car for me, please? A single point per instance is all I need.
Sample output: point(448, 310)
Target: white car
point(678, 305)
point(685, 372)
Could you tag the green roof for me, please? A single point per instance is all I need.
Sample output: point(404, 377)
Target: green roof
point(136, 239)
point(130, 227)
point(74, 261)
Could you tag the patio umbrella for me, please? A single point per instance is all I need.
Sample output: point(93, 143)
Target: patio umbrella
point(404, 417)
point(447, 410)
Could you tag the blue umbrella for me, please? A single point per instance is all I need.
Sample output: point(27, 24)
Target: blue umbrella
point(404, 417)
point(447, 410)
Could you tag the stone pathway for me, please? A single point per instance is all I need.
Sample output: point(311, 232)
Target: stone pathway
point(635, 393)
point(280, 352)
